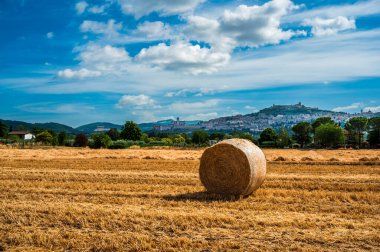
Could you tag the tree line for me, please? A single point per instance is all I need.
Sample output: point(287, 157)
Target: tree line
point(321, 133)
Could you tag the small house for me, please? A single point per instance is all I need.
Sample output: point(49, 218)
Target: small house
point(24, 135)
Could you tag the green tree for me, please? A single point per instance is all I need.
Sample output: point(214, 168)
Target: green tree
point(101, 140)
point(302, 133)
point(356, 126)
point(81, 140)
point(200, 137)
point(177, 138)
point(329, 135)
point(62, 136)
point(114, 134)
point(248, 136)
point(167, 141)
point(131, 131)
point(145, 138)
point(37, 130)
point(3, 129)
point(321, 120)
point(268, 135)
point(54, 142)
point(374, 131)
point(44, 137)
point(217, 136)
point(283, 138)
point(186, 137)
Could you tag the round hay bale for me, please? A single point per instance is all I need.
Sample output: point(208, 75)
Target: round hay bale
point(233, 167)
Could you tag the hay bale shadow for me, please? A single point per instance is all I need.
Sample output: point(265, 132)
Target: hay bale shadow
point(202, 197)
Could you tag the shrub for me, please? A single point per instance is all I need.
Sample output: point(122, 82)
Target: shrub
point(167, 141)
point(69, 143)
point(81, 140)
point(119, 144)
point(114, 134)
point(44, 137)
point(200, 137)
point(101, 140)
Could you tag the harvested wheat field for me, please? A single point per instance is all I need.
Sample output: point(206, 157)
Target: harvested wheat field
point(142, 200)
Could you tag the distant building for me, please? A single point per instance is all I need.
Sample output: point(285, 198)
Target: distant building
point(101, 129)
point(176, 125)
point(25, 135)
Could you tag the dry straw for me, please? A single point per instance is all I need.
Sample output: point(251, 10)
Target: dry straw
point(233, 166)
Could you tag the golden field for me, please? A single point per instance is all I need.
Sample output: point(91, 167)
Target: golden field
point(152, 199)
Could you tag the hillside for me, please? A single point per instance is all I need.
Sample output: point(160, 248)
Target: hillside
point(90, 128)
point(276, 116)
point(30, 126)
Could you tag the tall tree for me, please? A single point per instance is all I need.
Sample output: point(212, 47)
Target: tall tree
point(329, 135)
point(283, 138)
point(114, 134)
point(81, 140)
point(268, 135)
point(131, 131)
point(356, 126)
point(62, 137)
point(217, 136)
point(374, 131)
point(200, 137)
point(186, 137)
point(321, 120)
point(302, 133)
point(3, 129)
point(54, 142)
point(37, 130)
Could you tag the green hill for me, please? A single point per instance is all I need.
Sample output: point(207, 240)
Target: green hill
point(90, 128)
point(48, 126)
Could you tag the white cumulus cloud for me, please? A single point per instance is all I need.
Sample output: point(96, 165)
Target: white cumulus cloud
point(257, 25)
point(331, 26)
point(153, 30)
point(80, 74)
point(356, 9)
point(135, 100)
point(50, 35)
point(140, 8)
point(184, 57)
point(81, 7)
point(97, 9)
point(353, 106)
point(95, 53)
point(105, 58)
point(110, 28)
point(97, 60)
point(251, 26)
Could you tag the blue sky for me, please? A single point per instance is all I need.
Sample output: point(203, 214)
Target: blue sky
point(77, 62)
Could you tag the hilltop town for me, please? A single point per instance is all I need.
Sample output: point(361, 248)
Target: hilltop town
point(276, 116)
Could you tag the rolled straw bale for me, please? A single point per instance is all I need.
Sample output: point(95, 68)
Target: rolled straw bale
point(233, 166)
